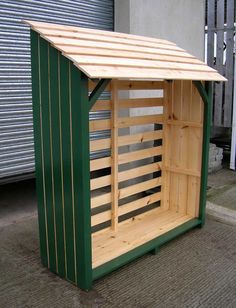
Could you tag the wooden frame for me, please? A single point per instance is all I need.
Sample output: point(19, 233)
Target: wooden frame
point(98, 214)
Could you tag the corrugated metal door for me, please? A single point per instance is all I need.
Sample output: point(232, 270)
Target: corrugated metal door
point(16, 127)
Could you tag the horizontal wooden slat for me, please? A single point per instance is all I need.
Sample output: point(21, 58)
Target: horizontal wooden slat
point(100, 163)
point(101, 181)
point(139, 171)
point(140, 85)
point(140, 187)
point(58, 41)
point(184, 123)
point(67, 35)
point(183, 171)
point(100, 218)
point(124, 62)
point(92, 51)
point(96, 125)
point(44, 25)
point(138, 155)
point(140, 102)
point(101, 105)
point(138, 204)
point(140, 138)
point(106, 71)
point(96, 145)
point(100, 200)
point(140, 120)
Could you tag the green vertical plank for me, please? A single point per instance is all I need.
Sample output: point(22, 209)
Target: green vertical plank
point(44, 69)
point(81, 176)
point(36, 97)
point(66, 156)
point(207, 99)
point(57, 158)
point(206, 95)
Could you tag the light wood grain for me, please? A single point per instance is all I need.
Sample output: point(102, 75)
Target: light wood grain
point(138, 155)
point(139, 120)
point(106, 246)
point(114, 156)
point(100, 163)
point(139, 171)
point(140, 187)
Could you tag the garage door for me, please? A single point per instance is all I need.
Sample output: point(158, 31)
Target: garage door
point(16, 127)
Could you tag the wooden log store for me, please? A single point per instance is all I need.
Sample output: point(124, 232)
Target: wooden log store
point(96, 215)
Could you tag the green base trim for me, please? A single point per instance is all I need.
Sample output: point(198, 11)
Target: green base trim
point(143, 249)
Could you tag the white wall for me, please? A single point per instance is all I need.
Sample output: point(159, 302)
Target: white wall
point(180, 21)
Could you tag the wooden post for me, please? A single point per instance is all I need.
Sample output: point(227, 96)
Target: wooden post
point(114, 156)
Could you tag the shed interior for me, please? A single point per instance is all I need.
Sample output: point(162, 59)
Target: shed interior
point(153, 179)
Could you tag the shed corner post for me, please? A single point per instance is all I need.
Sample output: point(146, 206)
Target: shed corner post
point(81, 167)
point(206, 95)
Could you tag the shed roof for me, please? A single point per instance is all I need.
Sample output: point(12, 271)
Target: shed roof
point(106, 54)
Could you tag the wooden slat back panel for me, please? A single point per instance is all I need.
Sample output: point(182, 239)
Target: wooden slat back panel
point(124, 193)
point(182, 145)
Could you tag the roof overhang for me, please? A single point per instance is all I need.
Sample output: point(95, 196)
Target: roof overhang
point(106, 54)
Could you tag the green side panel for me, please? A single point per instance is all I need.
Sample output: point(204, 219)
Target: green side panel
point(57, 158)
point(66, 170)
point(81, 176)
point(38, 147)
point(141, 250)
point(47, 139)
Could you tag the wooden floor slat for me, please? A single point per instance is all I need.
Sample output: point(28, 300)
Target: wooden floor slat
point(109, 245)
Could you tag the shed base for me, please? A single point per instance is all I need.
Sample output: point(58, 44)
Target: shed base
point(108, 245)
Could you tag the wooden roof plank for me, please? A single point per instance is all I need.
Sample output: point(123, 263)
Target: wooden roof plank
point(45, 25)
point(95, 71)
point(104, 54)
point(80, 59)
point(102, 38)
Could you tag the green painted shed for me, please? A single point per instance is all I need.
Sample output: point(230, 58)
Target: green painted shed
point(96, 215)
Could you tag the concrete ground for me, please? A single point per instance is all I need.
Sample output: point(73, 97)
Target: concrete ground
point(222, 188)
point(197, 269)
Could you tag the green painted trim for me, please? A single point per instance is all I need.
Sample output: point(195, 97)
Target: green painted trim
point(81, 176)
point(143, 249)
point(206, 95)
point(100, 87)
point(35, 62)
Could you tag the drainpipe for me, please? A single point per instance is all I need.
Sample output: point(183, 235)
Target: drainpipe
point(233, 138)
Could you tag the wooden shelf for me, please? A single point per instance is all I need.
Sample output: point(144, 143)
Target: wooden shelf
point(108, 245)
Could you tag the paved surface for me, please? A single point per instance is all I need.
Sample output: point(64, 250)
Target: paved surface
point(196, 270)
point(222, 188)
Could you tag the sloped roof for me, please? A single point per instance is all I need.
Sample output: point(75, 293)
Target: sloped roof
point(105, 54)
